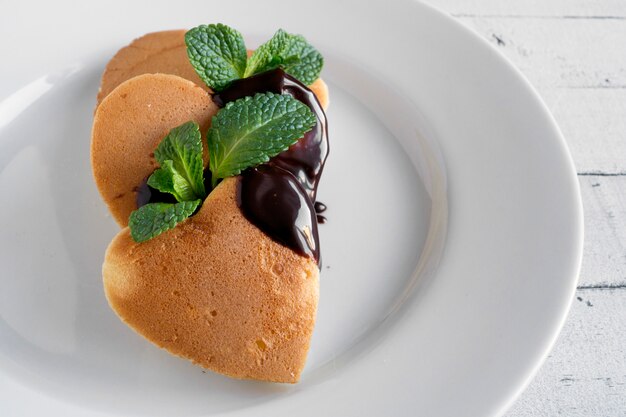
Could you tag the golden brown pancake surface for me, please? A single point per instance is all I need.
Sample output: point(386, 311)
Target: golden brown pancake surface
point(216, 290)
point(158, 52)
point(128, 126)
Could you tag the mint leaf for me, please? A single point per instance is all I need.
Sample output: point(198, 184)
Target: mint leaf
point(180, 156)
point(180, 174)
point(290, 52)
point(310, 64)
point(155, 218)
point(167, 180)
point(217, 53)
point(251, 130)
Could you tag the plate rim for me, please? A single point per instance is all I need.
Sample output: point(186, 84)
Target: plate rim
point(579, 209)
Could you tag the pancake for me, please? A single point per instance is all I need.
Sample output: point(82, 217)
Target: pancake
point(216, 290)
point(159, 52)
point(128, 126)
point(164, 52)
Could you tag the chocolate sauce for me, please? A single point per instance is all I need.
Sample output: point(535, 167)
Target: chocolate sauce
point(320, 207)
point(271, 189)
point(268, 195)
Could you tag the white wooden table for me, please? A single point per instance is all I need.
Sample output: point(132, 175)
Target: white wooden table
point(574, 53)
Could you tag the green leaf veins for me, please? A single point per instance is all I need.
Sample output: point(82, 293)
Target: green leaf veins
point(251, 130)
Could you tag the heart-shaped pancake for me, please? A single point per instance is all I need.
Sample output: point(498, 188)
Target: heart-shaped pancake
point(128, 126)
point(218, 291)
point(158, 52)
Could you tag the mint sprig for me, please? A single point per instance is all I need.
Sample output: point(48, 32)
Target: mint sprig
point(290, 52)
point(218, 54)
point(251, 130)
point(167, 180)
point(180, 157)
point(180, 174)
point(155, 218)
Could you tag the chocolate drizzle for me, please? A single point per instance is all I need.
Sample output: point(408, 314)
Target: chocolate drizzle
point(278, 197)
point(320, 207)
point(274, 200)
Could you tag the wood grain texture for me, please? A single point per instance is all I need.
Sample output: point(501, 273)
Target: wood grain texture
point(593, 122)
point(560, 53)
point(585, 375)
point(604, 260)
point(530, 8)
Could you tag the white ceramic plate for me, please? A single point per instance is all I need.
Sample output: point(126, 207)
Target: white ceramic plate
point(450, 256)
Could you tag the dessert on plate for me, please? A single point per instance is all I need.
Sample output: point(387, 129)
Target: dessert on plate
point(208, 156)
